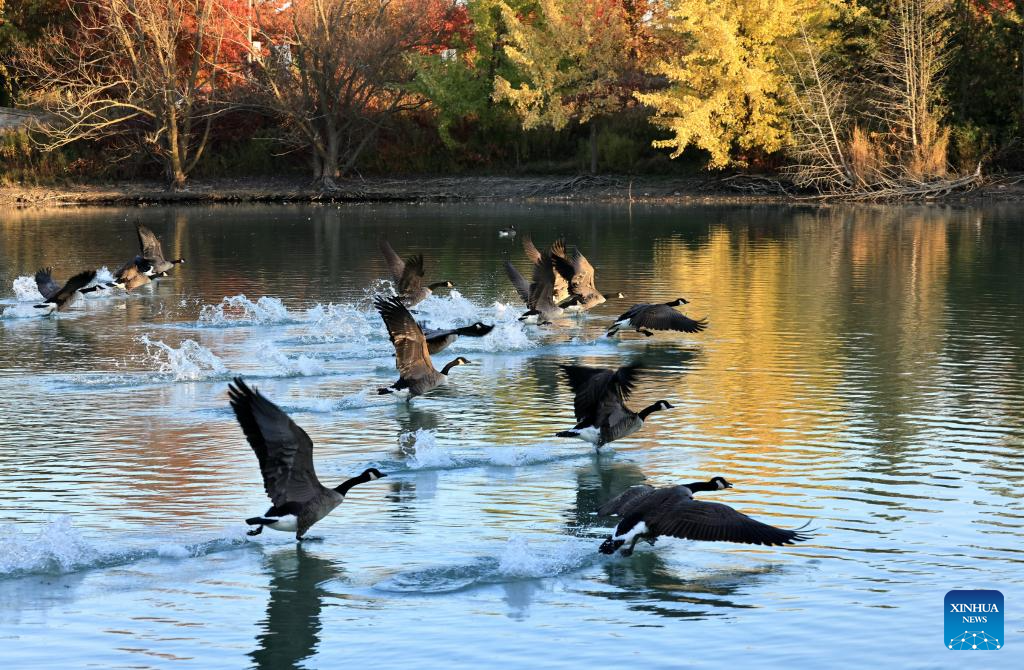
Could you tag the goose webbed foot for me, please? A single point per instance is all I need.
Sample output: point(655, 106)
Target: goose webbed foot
point(647, 333)
point(255, 531)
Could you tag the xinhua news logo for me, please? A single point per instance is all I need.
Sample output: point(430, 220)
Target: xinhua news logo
point(974, 620)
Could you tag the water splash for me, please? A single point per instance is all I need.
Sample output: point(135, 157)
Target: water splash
point(25, 290)
point(333, 323)
point(425, 453)
point(189, 362)
point(298, 366)
point(518, 560)
point(60, 548)
point(238, 310)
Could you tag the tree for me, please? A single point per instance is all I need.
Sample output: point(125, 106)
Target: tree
point(341, 70)
point(140, 73)
point(728, 88)
point(572, 60)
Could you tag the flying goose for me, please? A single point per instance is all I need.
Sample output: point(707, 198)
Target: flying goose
point(538, 294)
point(285, 454)
point(600, 404)
point(580, 275)
point(152, 252)
point(439, 340)
point(508, 232)
point(649, 512)
point(647, 317)
point(416, 373)
point(408, 275)
point(560, 285)
point(60, 297)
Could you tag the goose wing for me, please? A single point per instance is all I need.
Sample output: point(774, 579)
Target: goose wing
point(541, 296)
point(663, 317)
point(395, 264)
point(582, 280)
point(673, 511)
point(531, 251)
point(45, 284)
point(518, 281)
point(601, 393)
point(411, 280)
point(149, 244)
point(624, 502)
point(79, 281)
point(411, 354)
point(284, 450)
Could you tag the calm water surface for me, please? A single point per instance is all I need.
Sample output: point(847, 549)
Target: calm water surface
point(862, 371)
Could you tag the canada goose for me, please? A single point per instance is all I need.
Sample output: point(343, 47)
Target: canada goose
point(285, 454)
point(649, 512)
point(508, 232)
point(60, 297)
point(580, 275)
point(152, 252)
point(646, 317)
point(408, 275)
point(538, 294)
point(560, 285)
point(439, 340)
point(600, 404)
point(416, 372)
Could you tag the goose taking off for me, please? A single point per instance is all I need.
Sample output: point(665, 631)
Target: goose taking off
point(580, 275)
point(646, 317)
point(408, 275)
point(416, 373)
point(152, 252)
point(649, 512)
point(285, 454)
point(60, 297)
point(600, 404)
point(538, 294)
point(559, 284)
point(439, 340)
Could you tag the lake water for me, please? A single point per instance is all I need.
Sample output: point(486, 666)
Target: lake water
point(863, 370)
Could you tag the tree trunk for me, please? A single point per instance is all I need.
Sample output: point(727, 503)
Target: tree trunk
point(593, 147)
point(174, 169)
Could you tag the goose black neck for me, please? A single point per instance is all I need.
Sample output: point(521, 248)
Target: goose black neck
point(438, 284)
point(346, 485)
point(466, 330)
point(702, 486)
point(446, 369)
point(647, 410)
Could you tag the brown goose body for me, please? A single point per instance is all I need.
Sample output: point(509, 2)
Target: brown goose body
point(661, 316)
point(408, 275)
point(648, 513)
point(59, 297)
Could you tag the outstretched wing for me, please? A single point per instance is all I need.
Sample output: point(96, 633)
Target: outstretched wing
point(149, 244)
point(541, 297)
point(411, 355)
point(79, 281)
point(663, 317)
point(582, 280)
point(600, 393)
point(395, 265)
point(531, 250)
point(44, 282)
point(284, 450)
point(622, 503)
point(668, 513)
point(411, 280)
point(518, 281)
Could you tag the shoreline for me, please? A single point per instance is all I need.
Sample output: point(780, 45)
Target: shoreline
point(411, 190)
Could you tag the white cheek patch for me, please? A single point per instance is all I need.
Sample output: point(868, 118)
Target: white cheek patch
point(639, 529)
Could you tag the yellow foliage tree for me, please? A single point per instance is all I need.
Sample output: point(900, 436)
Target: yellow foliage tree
point(728, 89)
point(571, 60)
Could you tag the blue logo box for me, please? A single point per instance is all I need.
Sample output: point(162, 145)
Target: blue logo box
point(974, 620)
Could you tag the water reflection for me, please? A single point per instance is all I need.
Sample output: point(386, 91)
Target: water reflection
point(292, 624)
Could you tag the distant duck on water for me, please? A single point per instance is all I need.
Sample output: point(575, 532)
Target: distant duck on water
point(648, 513)
point(285, 455)
point(510, 231)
